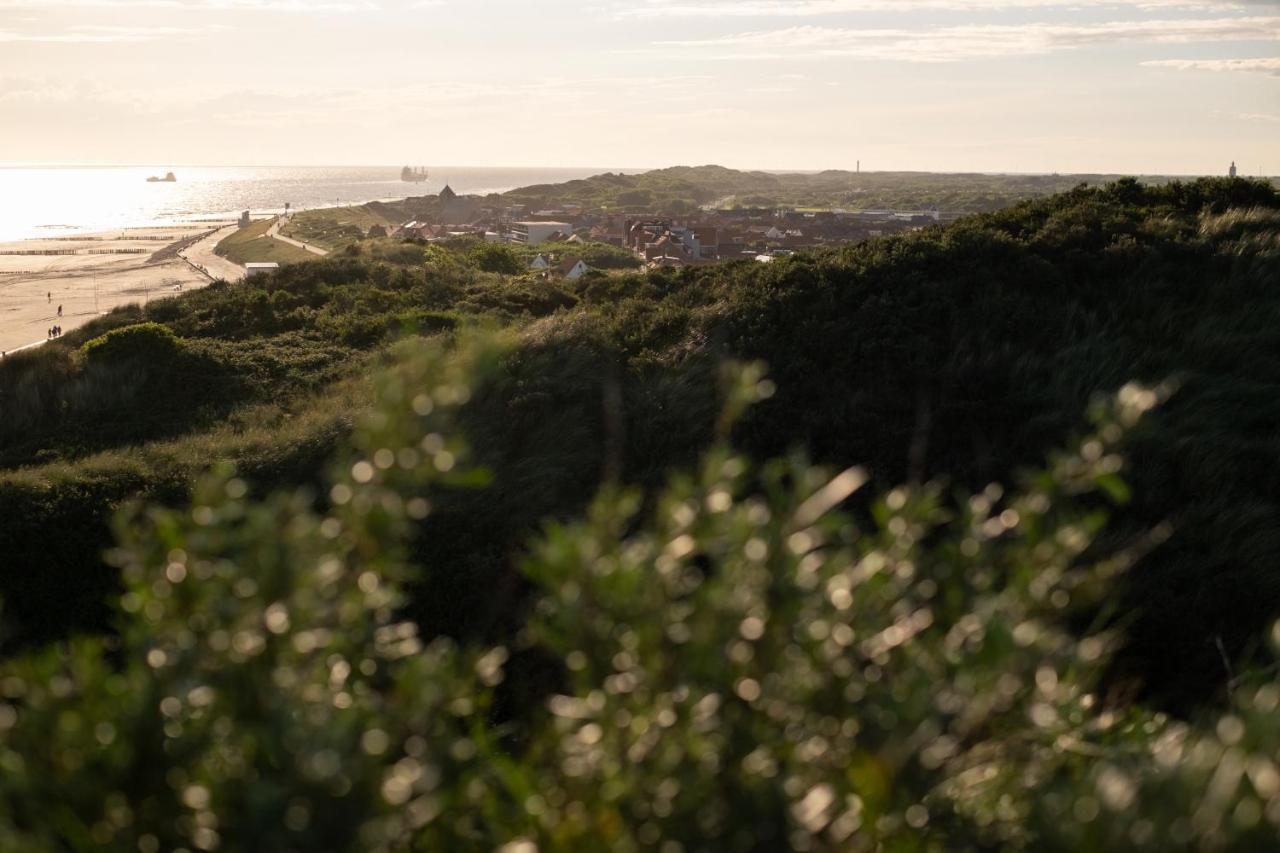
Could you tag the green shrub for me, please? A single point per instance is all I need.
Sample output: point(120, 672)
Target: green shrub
point(742, 666)
point(148, 342)
point(496, 258)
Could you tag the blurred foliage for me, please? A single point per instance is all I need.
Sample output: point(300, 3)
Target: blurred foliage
point(743, 666)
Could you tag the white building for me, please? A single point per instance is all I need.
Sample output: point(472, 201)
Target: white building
point(254, 270)
point(534, 233)
point(539, 263)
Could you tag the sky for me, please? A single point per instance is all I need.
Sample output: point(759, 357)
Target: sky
point(1117, 86)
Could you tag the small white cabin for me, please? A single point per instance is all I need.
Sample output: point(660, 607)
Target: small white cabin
point(254, 270)
point(539, 263)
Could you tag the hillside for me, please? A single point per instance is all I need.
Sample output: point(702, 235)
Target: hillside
point(960, 356)
point(685, 188)
point(331, 228)
point(966, 353)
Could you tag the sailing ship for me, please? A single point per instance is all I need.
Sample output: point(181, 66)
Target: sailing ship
point(413, 176)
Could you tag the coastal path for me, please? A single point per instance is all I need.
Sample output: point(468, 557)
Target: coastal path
point(201, 255)
point(274, 233)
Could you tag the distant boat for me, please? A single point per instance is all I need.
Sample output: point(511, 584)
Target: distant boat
point(413, 176)
point(168, 178)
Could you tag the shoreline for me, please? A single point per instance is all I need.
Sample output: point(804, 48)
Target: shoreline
point(93, 273)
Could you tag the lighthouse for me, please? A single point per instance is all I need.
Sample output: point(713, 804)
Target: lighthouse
point(1232, 173)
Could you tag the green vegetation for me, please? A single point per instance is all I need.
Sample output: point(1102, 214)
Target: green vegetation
point(1005, 655)
point(252, 245)
point(514, 258)
point(598, 256)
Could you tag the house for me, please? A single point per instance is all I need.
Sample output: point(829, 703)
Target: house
point(601, 234)
point(708, 242)
point(539, 263)
point(534, 233)
point(414, 230)
point(776, 233)
point(572, 268)
point(666, 262)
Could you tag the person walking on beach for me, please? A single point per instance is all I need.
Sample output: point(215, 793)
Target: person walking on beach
point(59, 310)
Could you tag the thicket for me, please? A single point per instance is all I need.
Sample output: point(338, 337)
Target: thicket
point(742, 665)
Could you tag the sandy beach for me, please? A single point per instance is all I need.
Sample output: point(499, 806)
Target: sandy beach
point(89, 274)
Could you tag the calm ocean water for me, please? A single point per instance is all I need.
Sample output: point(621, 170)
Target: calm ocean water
point(47, 201)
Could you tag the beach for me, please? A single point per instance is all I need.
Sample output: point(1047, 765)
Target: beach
point(90, 274)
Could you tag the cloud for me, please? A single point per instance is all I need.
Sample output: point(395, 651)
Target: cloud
point(102, 35)
point(200, 5)
point(953, 44)
point(814, 8)
point(1257, 66)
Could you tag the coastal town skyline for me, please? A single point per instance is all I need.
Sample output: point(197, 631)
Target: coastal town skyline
point(1000, 86)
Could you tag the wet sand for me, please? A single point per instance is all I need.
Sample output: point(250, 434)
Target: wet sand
point(90, 274)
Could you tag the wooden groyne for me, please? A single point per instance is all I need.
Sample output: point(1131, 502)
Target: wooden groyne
point(47, 252)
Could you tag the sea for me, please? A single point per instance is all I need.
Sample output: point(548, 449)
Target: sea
point(51, 201)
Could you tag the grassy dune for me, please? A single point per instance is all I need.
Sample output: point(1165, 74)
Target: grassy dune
point(252, 245)
point(332, 228)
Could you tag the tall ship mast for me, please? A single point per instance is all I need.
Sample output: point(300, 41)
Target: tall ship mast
point(412, 175)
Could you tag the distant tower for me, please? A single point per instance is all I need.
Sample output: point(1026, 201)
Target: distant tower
point(1233, 169)
point(859, 167)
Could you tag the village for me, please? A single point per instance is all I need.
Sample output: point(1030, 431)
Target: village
point(656, 240)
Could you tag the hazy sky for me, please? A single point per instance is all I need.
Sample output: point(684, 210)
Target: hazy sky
point(1143, 86)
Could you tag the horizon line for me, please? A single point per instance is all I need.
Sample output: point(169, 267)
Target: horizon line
point(598, 170)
